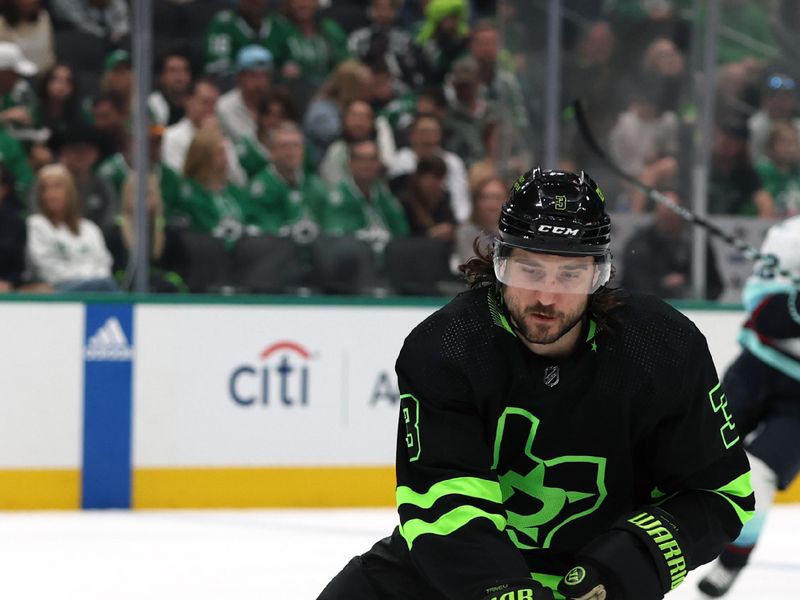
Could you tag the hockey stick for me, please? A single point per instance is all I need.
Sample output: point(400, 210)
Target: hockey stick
point(770, 260)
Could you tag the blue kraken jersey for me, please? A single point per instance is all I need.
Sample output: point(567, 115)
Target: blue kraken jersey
point(509, 464)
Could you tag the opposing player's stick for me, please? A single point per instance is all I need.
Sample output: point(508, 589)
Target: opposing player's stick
point(770, 260)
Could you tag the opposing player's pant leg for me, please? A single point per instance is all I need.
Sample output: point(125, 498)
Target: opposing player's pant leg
point(350, 584)
point(745, 383)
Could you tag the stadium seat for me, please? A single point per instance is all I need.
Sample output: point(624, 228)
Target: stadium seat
point(419, 266)
point(343, 265)
point(267, 264)
point(208, 262)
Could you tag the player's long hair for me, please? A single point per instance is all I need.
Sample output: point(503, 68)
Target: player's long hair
point(478, 271)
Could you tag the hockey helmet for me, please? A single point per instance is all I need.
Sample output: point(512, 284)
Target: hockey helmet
point(556, 213)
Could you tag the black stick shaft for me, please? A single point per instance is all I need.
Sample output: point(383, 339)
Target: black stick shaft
point(652, 193)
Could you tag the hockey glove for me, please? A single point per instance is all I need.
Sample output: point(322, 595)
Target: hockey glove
point(582, 582)
point(531, 591)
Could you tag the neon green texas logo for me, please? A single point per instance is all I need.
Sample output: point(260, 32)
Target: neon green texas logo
point(537, 501)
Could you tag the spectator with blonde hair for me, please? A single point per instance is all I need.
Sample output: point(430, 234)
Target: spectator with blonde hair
point(64, 249)
point(214, 205)
point(322, 123)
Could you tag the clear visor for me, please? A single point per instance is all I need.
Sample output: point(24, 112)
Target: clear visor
point(553, 274)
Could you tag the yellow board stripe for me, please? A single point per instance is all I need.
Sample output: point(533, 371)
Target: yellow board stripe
point(52, 489)
point(34, 489)
point(263, 487)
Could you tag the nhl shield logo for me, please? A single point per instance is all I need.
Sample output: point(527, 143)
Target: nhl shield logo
point(551, 376)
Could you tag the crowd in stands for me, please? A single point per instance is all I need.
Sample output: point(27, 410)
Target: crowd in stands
point(304, 146)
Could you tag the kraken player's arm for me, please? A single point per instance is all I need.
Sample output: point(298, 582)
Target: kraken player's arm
point(449, 500)
point(777, 316)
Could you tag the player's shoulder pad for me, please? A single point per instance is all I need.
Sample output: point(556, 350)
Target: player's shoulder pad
point(649, 327)
point(455, 333)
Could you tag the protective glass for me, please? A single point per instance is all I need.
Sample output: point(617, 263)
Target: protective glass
point(552, 274)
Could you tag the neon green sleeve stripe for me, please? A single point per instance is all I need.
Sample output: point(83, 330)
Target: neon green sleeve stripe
point(473, 487)
point(740, 488)
point(447, 523)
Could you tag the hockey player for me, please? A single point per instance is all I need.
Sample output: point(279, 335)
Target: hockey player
point(763, 389)
point(557, 438)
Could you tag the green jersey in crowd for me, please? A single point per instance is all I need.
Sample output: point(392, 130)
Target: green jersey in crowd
point(115, 170)
point(13, 157)
point(783, 185)
point(275, 205)
point(220, 213)
point(316, 55)
point(375, 219)
point(228, 33)
point(254, 158)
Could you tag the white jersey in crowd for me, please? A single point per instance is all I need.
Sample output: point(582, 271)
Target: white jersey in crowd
point(57, 255)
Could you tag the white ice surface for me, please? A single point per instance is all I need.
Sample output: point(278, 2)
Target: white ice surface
point(258, 554)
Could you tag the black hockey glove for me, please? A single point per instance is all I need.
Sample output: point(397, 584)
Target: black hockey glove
point(640, 558)
point(583, 582)
point(529, 591)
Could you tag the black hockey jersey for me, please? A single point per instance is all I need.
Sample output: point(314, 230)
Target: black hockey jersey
point(510, 463)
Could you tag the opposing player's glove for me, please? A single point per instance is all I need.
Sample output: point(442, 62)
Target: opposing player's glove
point(583, 582)
point(530, 591)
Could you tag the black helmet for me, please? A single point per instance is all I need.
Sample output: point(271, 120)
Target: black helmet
point(556, 212)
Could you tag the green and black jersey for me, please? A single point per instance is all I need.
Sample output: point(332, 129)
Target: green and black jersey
point(510, 463)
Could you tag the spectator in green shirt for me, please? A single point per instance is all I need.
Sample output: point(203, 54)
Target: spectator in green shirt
point(283, 199)
point(211, 204)
point(780, 170)
point(232, 30)
point(362, 205)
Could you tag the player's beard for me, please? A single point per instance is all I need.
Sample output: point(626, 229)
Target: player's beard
point(544, 333)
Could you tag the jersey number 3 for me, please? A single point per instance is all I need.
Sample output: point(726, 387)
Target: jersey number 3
point(720, 403)
point(410, 411)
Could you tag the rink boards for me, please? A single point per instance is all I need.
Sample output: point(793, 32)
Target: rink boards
point(213, 403)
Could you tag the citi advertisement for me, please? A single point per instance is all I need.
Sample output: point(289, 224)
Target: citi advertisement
point(273, 386)
point(280, 377)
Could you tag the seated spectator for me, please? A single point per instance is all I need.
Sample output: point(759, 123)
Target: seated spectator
point(109, 115)
point(27, 24)
point(13, 234)
point(12, 157)
point(385, 40)
point(314, 45)
point(322, 123)
point(665, 66)
point(201, 106)
point(385, 86)
point(116, 169)
point(64, 249)
point(645, 142)
point(58, 103)
point(166, 256)
point(238, 108)
point(214, 205)
point(358, 125)
point(16, 95)
point(780, 170)
point(393, 122)
point(443, 38)
point(499, 85)
point(778, 103)
point(117, 76)
point(426, 201)
point(283, 199)
point(232, 29)
point(658, 258)
point(79, 151)
point(734, 186)
point(174, 79)
point(275, 108)
point(467, 112)
point(425, 139)
point(109, 20)
point(488, 197)
point(362, 205)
